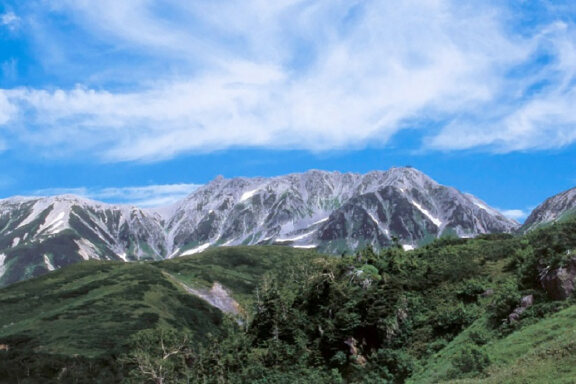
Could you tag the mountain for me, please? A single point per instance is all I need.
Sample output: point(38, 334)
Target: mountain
point(42, 234)
point(328, 211)
point(552, 210)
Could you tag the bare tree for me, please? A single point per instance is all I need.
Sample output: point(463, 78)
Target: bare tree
point(159, 356)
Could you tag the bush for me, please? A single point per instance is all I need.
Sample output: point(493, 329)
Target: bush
point(452, 320)
point(479, 337)
point(506, 299)
point(470, 291)
point(471, 361)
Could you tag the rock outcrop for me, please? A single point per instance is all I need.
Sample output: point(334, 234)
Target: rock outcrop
point(559, 282)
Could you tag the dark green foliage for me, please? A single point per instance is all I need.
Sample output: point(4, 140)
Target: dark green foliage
point(549, 247)
point(470, 362)
point(370, 316)
point(505, 300)
point(471, 290)
point(374, 317)
point(480, 337)
point(452, 320)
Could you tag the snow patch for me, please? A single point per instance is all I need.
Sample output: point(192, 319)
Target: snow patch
point(174, 253)
point(56, 223)
point(320, 221)
point(296, 238)
point(122, 256)
point(433, 219)
point(86, 249)
point(481, 206)
point(246, 195)
point(407, 247)
point(199, 249)
point(2, 265)
point(379, 224)
point(48, 263)
point(226, 244)
point(37, 209)
point(15, 242)
point(305, 246)
point(373, 218)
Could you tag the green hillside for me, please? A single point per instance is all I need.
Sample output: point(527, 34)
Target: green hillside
point(91, 309)
point(441, 313)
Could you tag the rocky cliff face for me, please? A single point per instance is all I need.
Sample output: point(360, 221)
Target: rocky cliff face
point(43, 234)
point(329, 211)
point(553, 209)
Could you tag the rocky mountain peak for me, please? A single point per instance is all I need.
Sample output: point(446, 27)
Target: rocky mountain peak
point(552, 209)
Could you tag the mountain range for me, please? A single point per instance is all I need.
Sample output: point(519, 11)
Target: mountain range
point(331, 212)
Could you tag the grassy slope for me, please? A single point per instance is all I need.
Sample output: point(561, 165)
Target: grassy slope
point(539, 350)
point(237, 268)
point(91, 308)
point(544, 352)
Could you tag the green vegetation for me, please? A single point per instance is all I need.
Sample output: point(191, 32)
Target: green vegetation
point(84, 316)
point(441, 313)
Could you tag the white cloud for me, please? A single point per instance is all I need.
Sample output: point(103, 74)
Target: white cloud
point(544, 119)
point(150, 196)
point(9, 20)
point(7, 108)
point(298, 74)
point(515, 214)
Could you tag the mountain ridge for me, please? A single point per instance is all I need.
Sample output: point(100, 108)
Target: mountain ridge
point(553, 209)
point(332, 212)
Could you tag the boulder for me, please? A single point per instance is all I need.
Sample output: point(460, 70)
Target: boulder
point(525, 303)
point(559, 282)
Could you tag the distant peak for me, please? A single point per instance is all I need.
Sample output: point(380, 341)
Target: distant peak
point(406, 170)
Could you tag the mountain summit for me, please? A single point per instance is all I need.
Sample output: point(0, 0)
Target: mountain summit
point(553, 209)
point(329, 211)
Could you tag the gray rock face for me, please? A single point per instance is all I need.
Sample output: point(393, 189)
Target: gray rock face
point(38, 235)
point(551, 210)
point(329, 211)
point(559, 282)
point(525, 303)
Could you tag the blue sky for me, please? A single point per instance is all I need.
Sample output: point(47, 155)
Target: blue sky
point(140, 100)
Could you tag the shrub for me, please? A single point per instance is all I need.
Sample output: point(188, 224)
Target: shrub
point(470, 361)
point(506, 299)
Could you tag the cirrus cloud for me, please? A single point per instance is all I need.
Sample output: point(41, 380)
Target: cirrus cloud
point(298, 74)
point(150, 196)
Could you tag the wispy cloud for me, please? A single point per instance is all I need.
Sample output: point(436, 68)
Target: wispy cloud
point(536, 111)
point(9, 20)
point(150, 196)
point(299, 74)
